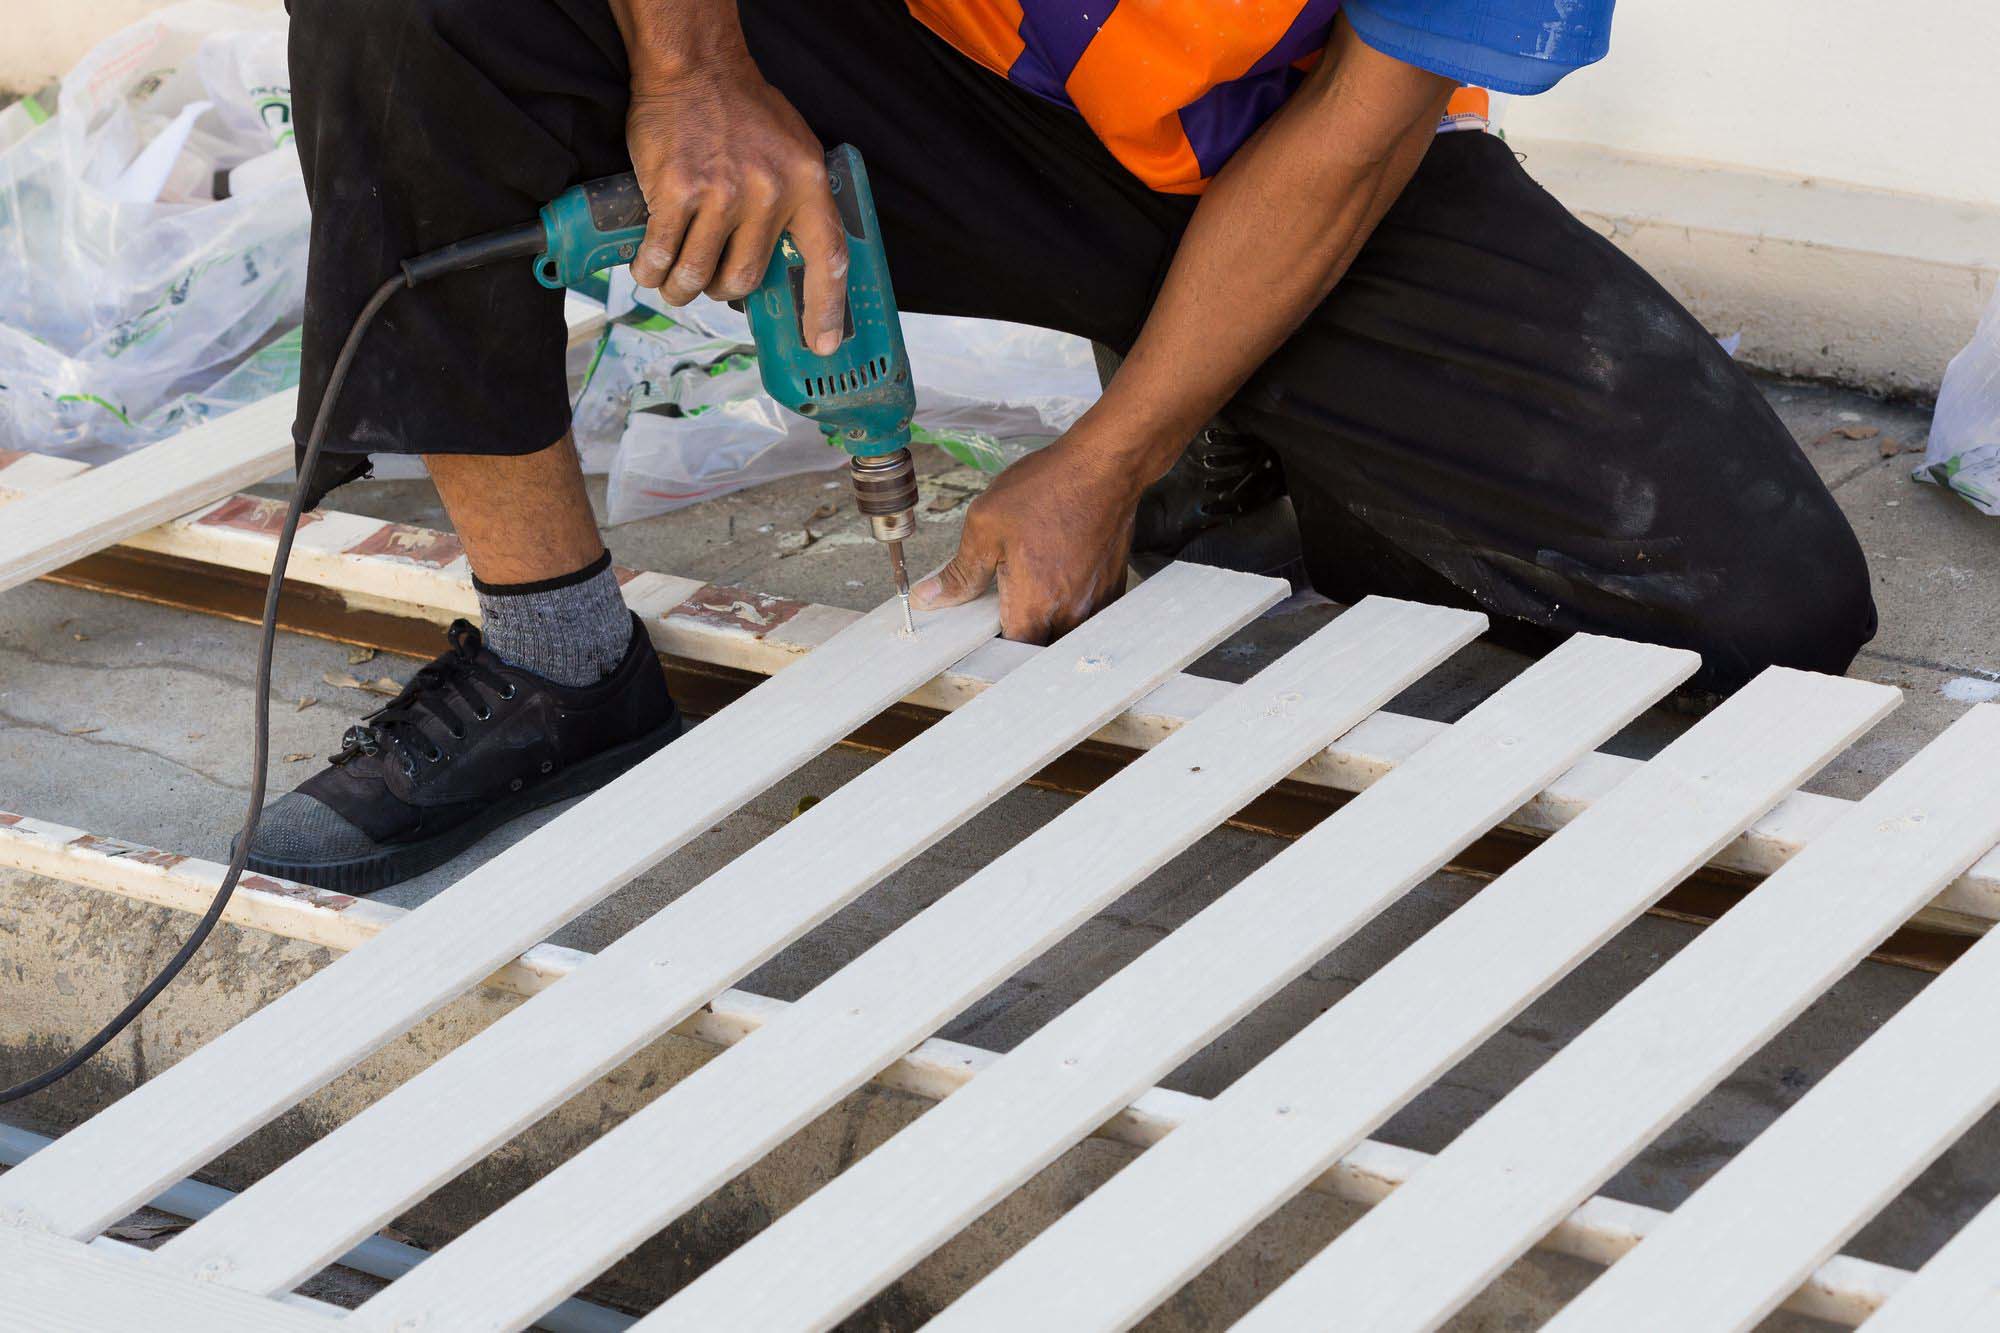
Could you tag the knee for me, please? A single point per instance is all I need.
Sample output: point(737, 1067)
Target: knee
point(1809, 606)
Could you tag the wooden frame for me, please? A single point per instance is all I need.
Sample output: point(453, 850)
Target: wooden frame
point(1842, 1290)
point(1624, 832)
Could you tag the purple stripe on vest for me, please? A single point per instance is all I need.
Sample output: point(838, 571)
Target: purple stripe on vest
point(1054, 35)
point(1217, 122)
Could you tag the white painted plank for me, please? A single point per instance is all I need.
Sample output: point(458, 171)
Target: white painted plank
point(1512, 1175)
point(1746, 1239)
point(1157, 1223)
point(612, 1195)
point(1843, 1290)
point(1958, 1291)
point(107, 504)
point(51, 1284)
point(190, 1113)
point(310, 1210)
point(828, 1255)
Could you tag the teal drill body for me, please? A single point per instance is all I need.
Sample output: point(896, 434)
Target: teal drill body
point(861, 397)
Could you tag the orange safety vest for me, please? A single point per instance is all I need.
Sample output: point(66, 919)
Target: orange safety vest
point(1172, 87)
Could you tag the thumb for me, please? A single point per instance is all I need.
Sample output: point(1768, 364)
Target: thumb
point(964, 578)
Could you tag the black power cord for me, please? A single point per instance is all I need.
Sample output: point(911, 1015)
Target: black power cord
point(262, 748)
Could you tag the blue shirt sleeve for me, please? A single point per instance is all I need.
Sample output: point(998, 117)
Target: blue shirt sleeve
point(1510, 46)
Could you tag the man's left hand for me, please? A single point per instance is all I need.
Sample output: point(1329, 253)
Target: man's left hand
point(1055, 530)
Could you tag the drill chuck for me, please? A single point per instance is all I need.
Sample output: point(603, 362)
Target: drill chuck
point(885, 491)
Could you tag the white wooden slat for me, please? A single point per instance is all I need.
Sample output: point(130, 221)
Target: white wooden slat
point(615, 1193)
point(1749, 1236)
point(294, 1221)
point(148, 486)
point(1427, 1249)
point(828, 1255)
point(190, 1113)
point(1958, 1291)
point(51, 1284)
point(1143, 1234)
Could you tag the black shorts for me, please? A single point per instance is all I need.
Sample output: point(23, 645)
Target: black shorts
point(1495, 408)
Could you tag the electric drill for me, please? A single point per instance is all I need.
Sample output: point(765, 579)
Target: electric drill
point(860, 397)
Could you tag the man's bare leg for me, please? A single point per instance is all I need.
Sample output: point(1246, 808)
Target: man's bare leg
point(522, 519)
point(560, 695)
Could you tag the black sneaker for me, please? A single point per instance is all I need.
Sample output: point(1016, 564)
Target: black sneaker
point(1223, 504)
point(469, 744)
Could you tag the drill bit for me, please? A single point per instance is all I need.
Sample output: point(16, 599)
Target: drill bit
point(902, 577)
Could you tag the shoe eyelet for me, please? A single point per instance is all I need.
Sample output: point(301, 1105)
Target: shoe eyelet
point(486, 716)
point(510, 691)
point(515, 785)
point(548, 765)
point(434, 756)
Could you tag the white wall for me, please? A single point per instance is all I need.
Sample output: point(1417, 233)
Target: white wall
point(1894, 95)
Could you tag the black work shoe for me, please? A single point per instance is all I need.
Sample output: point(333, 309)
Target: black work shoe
point(1220, 476)
point(1222, 504)
point(469, 744)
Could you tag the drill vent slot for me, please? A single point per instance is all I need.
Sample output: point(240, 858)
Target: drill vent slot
point(847, 381)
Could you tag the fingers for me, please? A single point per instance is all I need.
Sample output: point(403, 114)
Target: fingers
point(666, 223)
point(756, 235)
point(964, 578)
point(822, 243)
point(701, 249)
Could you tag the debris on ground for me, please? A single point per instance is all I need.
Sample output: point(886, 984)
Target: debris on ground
point(380, 685)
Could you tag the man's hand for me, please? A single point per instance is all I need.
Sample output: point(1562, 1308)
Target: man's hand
point(1273, 233)
point(1055, 528)
point(725, 164)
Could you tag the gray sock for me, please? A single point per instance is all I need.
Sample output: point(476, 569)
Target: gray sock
point(573, 630)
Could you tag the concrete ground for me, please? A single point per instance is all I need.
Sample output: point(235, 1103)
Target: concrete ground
point(132, 721)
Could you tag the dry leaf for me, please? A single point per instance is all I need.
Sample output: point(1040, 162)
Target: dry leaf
point(143, 1232)
point(382, 685)
point(1891, 446)
point(945, 501)
point(81, 638)
point(340, 680)
point(296, 757)
point(84, 731)
point(1850, 433)
point(305, 701)
point(196, 735)
point(356, 656)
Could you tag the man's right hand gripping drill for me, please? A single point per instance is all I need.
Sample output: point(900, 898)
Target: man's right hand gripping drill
point(726, 165)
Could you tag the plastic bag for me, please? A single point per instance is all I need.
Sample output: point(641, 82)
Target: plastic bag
point(700, 425)
point(127, 288)
point(1964, 449)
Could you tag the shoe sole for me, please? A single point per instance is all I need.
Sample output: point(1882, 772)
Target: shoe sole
point(394, 864)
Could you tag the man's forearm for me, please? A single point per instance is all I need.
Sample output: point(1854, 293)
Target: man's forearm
point(1275, 231)
point(665, 39)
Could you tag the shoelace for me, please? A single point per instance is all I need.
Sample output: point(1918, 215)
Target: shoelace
point(396, 725)
point(1235, 471)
